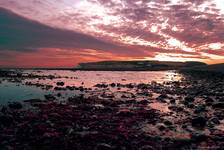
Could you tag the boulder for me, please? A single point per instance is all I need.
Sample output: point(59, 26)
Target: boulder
point(199, 122)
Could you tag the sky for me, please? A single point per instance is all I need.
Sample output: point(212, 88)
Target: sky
point(63, 33)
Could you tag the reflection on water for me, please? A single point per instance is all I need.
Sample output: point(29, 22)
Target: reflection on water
point(162, 107)
point(20, 91)
point(13, 92)
point(91, 78)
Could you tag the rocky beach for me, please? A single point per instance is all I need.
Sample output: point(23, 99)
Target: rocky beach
point(111, 74)
point(185, 112)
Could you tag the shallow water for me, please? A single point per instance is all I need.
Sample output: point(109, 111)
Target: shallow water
point(15, 92)
point(91, 78)
point(19, 91)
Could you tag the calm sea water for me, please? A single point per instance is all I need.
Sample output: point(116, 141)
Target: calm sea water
point(19, 91)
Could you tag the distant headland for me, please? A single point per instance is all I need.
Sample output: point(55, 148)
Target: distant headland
point(137, 65)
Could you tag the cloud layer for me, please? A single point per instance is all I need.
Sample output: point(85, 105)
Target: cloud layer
point(20, 34)
point(137, 29)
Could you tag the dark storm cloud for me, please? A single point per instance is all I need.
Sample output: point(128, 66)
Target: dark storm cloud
point(21, 34)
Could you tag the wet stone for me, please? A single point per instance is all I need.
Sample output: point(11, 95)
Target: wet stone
point(218, 105)
point(59, 88)
point(33, 101)
point(4, 110)
point(50, 97)
point(209, 100)
point(162, 96)
point(71, 88)
point(143, 102)
point(200, 109)
point(15, 105)
point(199, 122)
point(103, 146)
point(161, 127)
point(59, 95)
point(168, 123)
point(215, 120)
point(173, 101)
point(125, 113)
point(112, 84)
point(176, 108)
point(198, 137)
point(101, 85)
point(6, 120)
point(103, 120)
point(60, 83)
point(219, 114)
point(189, 99)
point(191, 105)
point(146, 147)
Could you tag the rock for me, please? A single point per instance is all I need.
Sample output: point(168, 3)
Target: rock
point(176, 108)
point(198, 137)
point(219, 115)
point(161, 127)
point(15, 105)
point(51, 134)
point(162, 96)
point(190, 105)
point(200, 109)
point(47, 87)
point(142, 86)
point(4, 145)
point(172, 101)
point(33, 101)
point(184, 126)
point(199, 122)
point(4, 110)
point(81, 89)
point(71, 88)
point(143, 102)
point(189, 99)
point(6, 120)
point(209, 100)
point(215, 120)
point(49, 97)
point(101, 85)
point(125, 113)
point(124, 96)
point(59, 88)
point(60, 83)
point(146, 147)
point(168, 123)
point(79, 99)
point(130, 86)
point(218, 105)
point(103, 146)
point(112, 84)
point(59, 95)
point(179, 109)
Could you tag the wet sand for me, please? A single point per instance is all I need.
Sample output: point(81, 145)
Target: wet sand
point(187, 113)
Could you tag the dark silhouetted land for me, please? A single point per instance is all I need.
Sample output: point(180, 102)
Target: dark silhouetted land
point(137, 65)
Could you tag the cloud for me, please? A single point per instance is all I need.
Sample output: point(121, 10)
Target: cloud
point(21, 34)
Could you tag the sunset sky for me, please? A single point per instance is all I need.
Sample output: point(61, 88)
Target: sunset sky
point(63, 33)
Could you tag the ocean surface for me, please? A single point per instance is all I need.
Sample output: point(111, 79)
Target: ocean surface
point(18, 91)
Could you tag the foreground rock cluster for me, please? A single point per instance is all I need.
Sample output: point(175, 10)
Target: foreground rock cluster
point(186, 114)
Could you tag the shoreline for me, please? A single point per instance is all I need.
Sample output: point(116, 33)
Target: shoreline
point(186, 113)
